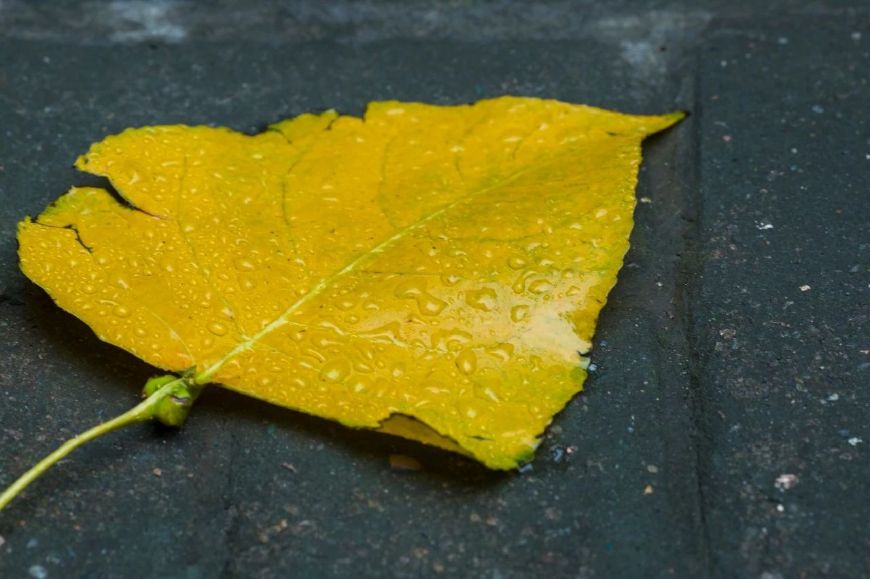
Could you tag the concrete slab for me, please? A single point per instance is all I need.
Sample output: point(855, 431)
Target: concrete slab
point(780, 313)
point(731, 361)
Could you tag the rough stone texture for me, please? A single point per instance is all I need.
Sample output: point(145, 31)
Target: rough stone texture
point(781, 312)
point(716, 374)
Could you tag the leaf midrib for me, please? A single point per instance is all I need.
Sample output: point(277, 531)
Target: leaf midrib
point(248, 344)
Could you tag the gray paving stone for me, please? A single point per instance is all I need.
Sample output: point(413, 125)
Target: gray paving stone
point(717, 374)
point(780, 314)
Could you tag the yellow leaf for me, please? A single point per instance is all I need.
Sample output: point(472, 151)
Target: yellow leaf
point(429, 271)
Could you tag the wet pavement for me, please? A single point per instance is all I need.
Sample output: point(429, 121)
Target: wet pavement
point(722, 432)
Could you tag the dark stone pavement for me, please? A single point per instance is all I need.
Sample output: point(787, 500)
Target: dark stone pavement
point(723, 431)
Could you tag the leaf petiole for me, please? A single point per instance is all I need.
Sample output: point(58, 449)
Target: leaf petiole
point(173, 389)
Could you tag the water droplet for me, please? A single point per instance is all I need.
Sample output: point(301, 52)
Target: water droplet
point(265, 381)
point(359, 384)
point(486, 393)
point(121, 311)
point(484, 299)
point(519, 313)
point(519, 285)
point(450, 279)
point(217, 328)
point(516, 262)
point(243, 264)
point(540, 286)
point(466, 409)
point(390, 333)
point(502, 351)
point(316, 354)
point(335, 370)
point(466, 361)
point(410, 288)
point(430, 305)
point(89, 289)
point(139, 331)
point(398, 370)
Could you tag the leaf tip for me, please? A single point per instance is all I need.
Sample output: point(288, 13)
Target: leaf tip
point(670, 119)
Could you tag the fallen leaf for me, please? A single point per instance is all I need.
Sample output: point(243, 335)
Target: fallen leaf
point(434, 272)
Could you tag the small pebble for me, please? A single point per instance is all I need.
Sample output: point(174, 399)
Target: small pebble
point(38, 572)
point(157, 472)
point(785, 482)
point(648, 490)
point(805, 288)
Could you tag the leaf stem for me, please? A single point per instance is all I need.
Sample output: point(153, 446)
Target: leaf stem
point(142, 412)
